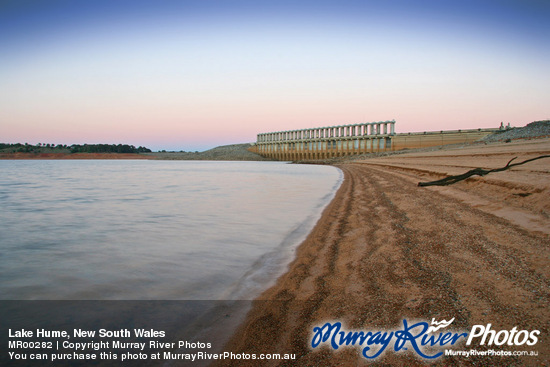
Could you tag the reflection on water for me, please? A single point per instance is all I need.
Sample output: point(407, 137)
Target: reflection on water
point(140, 230)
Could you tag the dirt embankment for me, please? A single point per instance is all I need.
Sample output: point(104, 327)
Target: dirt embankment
point(387, 250)
point(534, 129)
point(233, 152)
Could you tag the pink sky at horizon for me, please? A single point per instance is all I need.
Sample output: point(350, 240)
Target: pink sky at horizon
point(179, 82)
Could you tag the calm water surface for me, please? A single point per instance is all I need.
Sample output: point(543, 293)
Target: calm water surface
point(141, 230)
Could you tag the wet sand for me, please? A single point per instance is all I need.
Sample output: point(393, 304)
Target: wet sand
point(386, 249)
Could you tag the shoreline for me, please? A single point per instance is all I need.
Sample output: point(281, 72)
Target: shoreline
point(385, 249)
point(59, 156)
point(232, 152)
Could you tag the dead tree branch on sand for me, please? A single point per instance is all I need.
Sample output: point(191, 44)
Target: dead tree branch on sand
point(476, 171)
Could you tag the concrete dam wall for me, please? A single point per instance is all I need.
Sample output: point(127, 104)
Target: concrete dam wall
point(343, 140)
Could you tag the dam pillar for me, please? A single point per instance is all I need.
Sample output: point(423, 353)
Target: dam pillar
point(327, 142)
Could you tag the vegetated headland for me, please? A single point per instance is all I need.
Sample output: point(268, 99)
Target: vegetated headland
point(233, 152)
point(75, 151)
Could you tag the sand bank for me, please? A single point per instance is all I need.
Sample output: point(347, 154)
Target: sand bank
point(386, 249)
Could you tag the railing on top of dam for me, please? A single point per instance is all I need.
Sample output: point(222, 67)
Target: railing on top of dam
point(341, 131)
point(342, 140)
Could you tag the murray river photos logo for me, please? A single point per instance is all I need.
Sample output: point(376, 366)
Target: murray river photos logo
point(427, 340)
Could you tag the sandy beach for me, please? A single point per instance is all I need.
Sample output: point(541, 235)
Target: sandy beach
point(386, 250)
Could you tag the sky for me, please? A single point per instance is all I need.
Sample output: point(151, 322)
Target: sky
point(193, 75)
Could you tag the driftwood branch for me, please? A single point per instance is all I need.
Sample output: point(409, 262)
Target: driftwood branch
point(477, 172)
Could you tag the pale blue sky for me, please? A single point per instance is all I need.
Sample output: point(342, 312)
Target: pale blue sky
point(193, 75)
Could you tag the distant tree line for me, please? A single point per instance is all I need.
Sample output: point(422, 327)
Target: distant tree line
point(75, 148)
point(108, 148)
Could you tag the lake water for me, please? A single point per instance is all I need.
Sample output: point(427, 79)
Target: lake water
point(153, 230)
